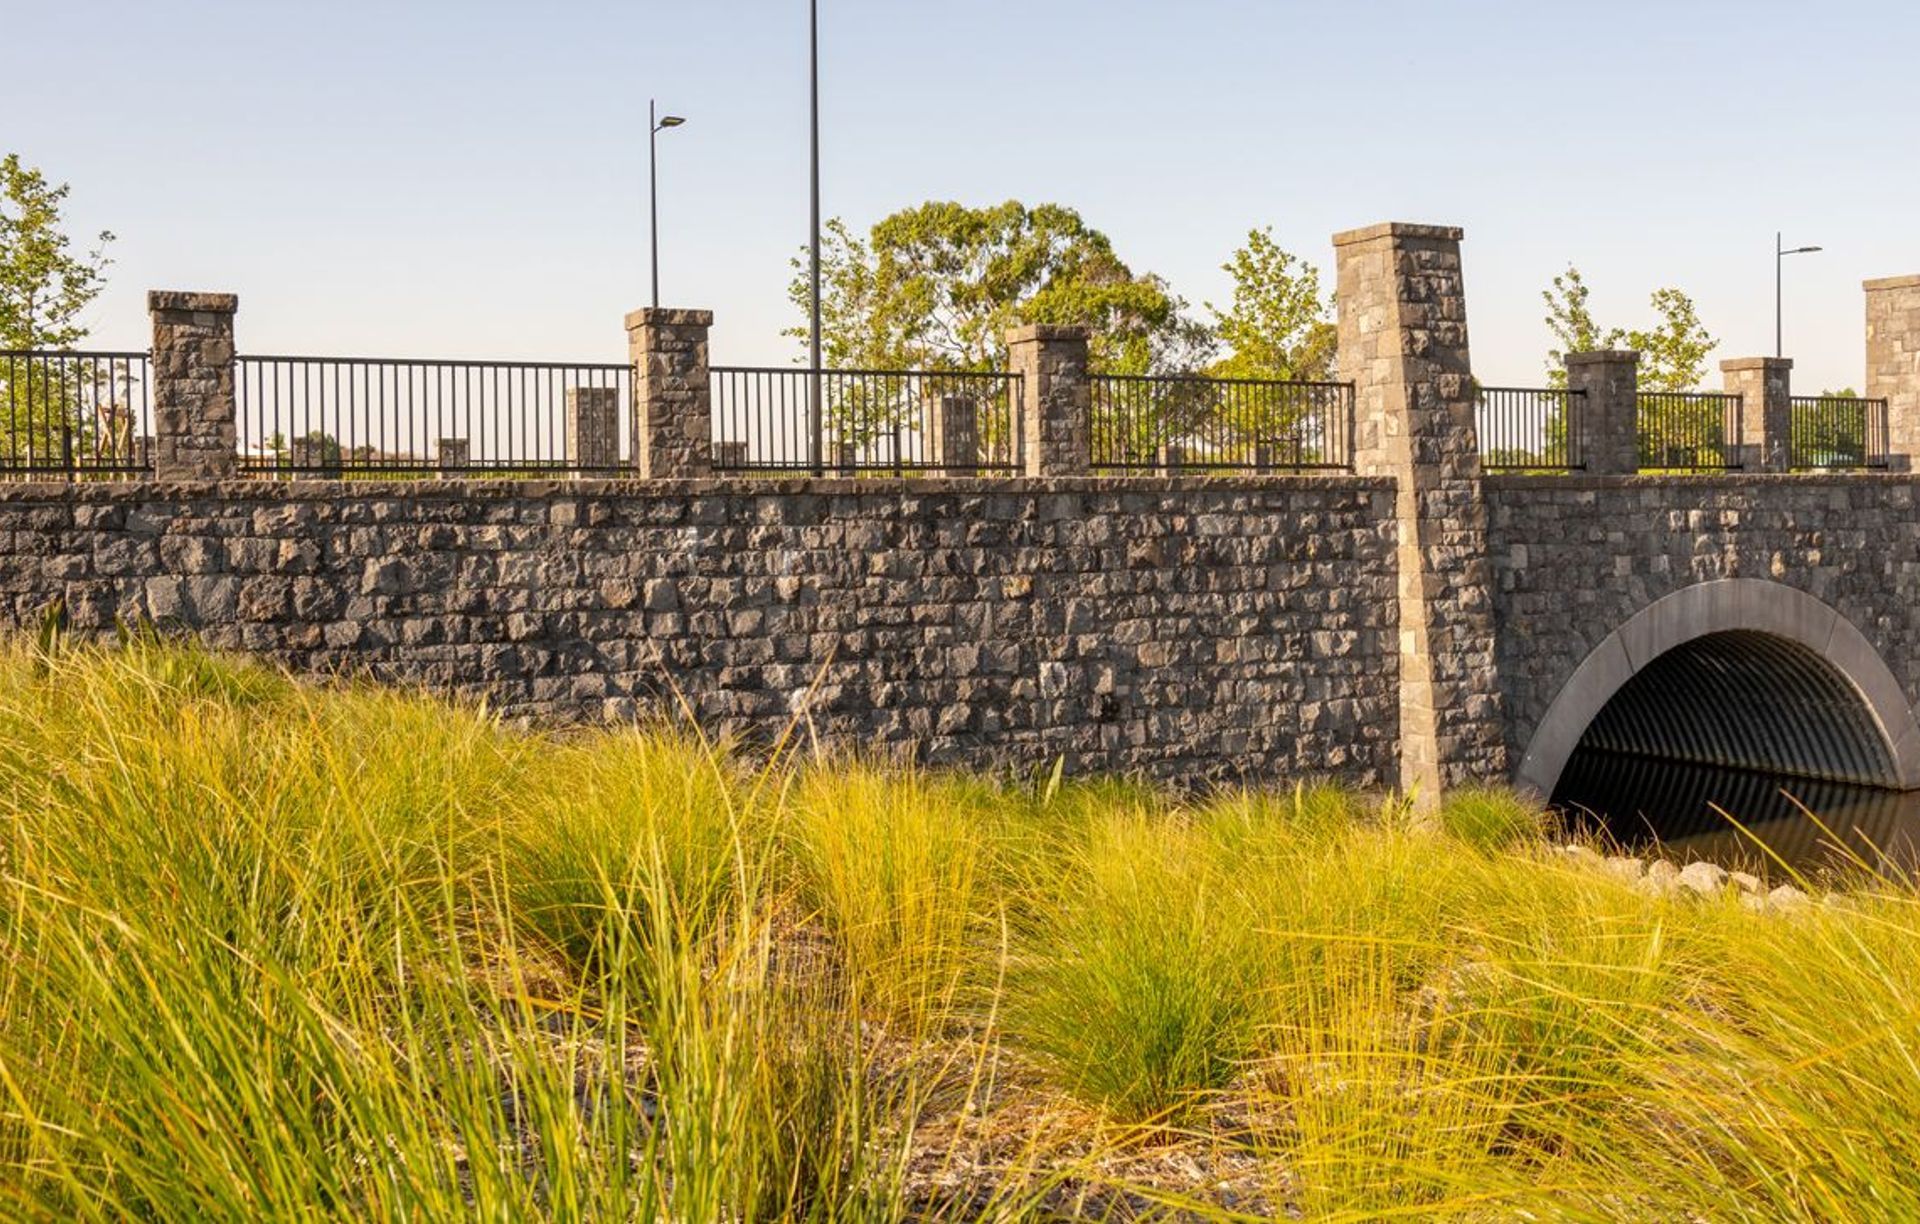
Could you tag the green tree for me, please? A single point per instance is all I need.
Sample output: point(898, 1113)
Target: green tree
point(51, 412)
point(1673, 359)
point(1570, 320)
point(938, 285)
point(1673, 353)
point(1279, 324)
point(44, 284)
point(1277, 328)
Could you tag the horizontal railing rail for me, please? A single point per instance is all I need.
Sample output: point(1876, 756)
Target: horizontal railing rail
point(1689, 431)
point(868, 421)
point(1537, 429)
point(75, 413)
point(402, 416)
point(1175, 422)
point(1837, 431)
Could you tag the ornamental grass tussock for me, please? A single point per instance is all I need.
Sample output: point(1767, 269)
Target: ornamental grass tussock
point(271, 950)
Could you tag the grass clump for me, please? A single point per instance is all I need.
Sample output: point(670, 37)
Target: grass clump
point(272, 951)
point(1138, 978)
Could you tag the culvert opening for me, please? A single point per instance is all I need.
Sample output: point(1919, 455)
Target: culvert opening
point(1747, 723)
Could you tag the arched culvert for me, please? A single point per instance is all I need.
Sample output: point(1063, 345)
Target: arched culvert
point(1746, 700)
point(1739, 673)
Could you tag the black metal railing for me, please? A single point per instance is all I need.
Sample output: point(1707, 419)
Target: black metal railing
point(1175, 422)
point(1539, 429)
point(337, 415)
point(892, 421)
point(1837, 431)
point(1689, 431)
point(74, 414)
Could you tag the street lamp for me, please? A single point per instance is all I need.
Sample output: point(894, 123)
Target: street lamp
point(1780, 254)
point(655, 126)
point(817, 440)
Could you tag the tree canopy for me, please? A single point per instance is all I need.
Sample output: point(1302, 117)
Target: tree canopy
point(938, 285)
point(44, 283)
point(1279, 324)
point(1673, 352)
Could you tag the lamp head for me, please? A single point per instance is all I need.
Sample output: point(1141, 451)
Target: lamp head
point(667, 121)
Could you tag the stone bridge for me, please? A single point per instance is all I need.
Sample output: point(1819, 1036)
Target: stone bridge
point(1417, 621)
point(1769, 622)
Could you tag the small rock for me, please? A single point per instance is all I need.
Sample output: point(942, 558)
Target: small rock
point(1703, 877)
point(1626, 868)
point(1786, 897)
point(1746, 883)
point(1579, 854)
point(1661, 871)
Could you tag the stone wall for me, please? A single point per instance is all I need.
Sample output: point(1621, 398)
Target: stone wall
point(1193, 630)
point(1575, 558)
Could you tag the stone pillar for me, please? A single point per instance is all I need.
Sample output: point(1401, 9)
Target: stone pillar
point(314, 454)
point(1608, 441)
point(453, 455)
point(593, 430)
point(1893, 361)
point(1056, 399)
point(953, 443)
point(1403, 342)
point(673, 405)
point(195, 419)
point(1765, 388)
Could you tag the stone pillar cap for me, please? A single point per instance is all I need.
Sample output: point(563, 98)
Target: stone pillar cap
point(1028, 333)
point(186, 299)
point(1399, 229)
point(1755, 363)
point(1596, 356)
point(1891, 282)
point(671, 316)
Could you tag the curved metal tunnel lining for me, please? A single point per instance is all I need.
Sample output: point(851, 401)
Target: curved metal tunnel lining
point(1747, 700)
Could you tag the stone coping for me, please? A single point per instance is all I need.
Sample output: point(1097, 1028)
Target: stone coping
point(1700, 480)
point(189, 300)
point(1891, 282)
point(1756, 363)
point(1035, 333)
point(1399, 229)
point(668, 316)
point(498, 490)
point(1602, 356)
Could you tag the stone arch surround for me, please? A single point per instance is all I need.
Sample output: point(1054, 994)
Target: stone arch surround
point(1810, 630)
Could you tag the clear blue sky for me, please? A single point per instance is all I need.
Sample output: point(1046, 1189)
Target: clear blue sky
point(468, 179)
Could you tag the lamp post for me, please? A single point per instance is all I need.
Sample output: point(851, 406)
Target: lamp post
point(1780, 254)
point(817, 440)
point(654, 127)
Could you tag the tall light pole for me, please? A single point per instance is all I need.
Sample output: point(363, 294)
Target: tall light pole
point(817, 442)
point(654, 127)
point(1780, 254)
